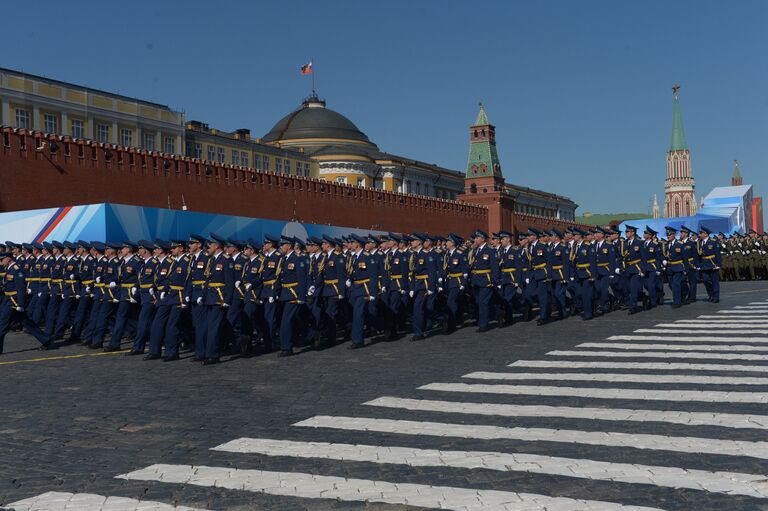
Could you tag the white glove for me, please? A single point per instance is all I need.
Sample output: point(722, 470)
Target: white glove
point(617, 271)
point(187, 299)
point(371, 298)
point(461, 288)
point(115, 301)
point(134, 291)
point(162, 295)
point(237, 283)
point(499, 286)
point(572, 279)
point(383, 289)
point(39, 294)
point(440, 280)
point(77, 296)
point(29, 291)
point(225, 305)
point(271, 299)
point(439, 289)
point(19, 309)
point(152, 292)
point(348, 283)
point(112, 285)
point(311, 291)
point(410, 293)
point(132, 300)
point(664, 262)
point(465, 275)
point(71, 276)
point(528, 281)
point(248, 286)
point(87, 289)
point(402, 291)
point(339, 297)
point(299, 302)
point(184, 306)
point(658, 273)
point(199, 300)
point(98, 280)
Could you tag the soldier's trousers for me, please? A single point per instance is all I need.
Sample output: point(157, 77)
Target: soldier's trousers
point(358, 319)
point(541, 290)
point(692, 283)
point(711, 279)
point(330, 317)
point(452, 307)
point(676, 285)
point(585, 285)
point(7, 307)
point(106, 311)
point(41, 306)
point(270, 323)
point(144, 326)
point(314, 325)
point(63, 317)
point(214, 317)
point(172, 334)
point(52, 312)
point(159, 329)
point(650, 287)
point(558, 297)
point(421, 312)
point(121, 320)
point(287, 326)
point(81, 317)
point(198, 323)
point(93, 319)
point(483, 297)
point(635, 288)
point(602, 285)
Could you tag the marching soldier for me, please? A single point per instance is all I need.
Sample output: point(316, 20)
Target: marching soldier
point(333, 275)
point(163, 302)
point(509, 267)
point(633, 267)
point(85, 263)
point(196, 290)
point(691, 257)
point(675, 261)
point(711, 259)
point(270, 290)
point(146, 296)
point(650, 254)
point(126, 294)
point(605, 263)
point(220, 285)
point(252, 309)
point(363, 285)
point(70, 291)
point(293, 292)
point(233, 248)
point(584, 271)
point(423, 285)
point(560, 266)
point(538, 281)
point(174, 298)
point(110, 280)
point(484, 275)
point(456, 270)
point(14, 297)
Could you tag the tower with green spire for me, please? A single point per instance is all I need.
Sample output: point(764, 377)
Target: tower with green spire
point(679, 186)
point(736, 179)
point(483, 166)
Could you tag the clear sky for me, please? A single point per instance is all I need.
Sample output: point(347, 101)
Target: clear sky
point(580, 91)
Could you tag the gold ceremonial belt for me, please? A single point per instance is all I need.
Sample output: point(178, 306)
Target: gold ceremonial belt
point(57, 281)
point(289, 285)
point(395, 277)
point(583, 265)
point(331, 282)
point(177, 288)
point(709, 256)
point(649, 261)
point(146, 286)
point(480, 272)
point(457, 275)
point(422, 277)
point(33, 279)
point(634, 261)
point(70, 282)
point(675, 262)
point(270, 282)
point(10, 293)
point(198, 282)
point(602, 265)
point(539, 266)
point(558, 267)
point(217, 284)
point(87, 282)
point(364, 281)
point(128, 285)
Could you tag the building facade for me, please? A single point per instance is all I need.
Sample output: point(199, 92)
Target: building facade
point(679, 185)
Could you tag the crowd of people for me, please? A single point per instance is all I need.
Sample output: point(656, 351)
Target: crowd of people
point(219, 295)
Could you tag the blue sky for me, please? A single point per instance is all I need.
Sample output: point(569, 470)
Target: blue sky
point(580, 91)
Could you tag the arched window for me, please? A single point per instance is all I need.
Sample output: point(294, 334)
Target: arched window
point(688, 211)
point(677, 207)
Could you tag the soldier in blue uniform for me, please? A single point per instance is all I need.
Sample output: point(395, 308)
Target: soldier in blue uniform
point(14, 288)
point(293, 292)
point(252, 310)
point(363, 286)
point(220, 285)
point(85, 262)
point(316, 260)
point(146, 295)
point(126, 294)
point(398, 274)
point(711, 261)
point(270, 290)
point(633, 267)
point(234, 319)
point(605, 262)
point(692, 263)
point(538, 281)
point(456, 271)
point(618, 279)
point(333, 275)
point(56, 287)
point(422, 283)
point(584, 271)
point(509, 278)
point(110, 281)
point(484, 276)
point(175, 298)
point(560, 271)
point(651, 255)
point(44, 285)
point(70, 291)
point(97, 289)
point(674, 262)
point(376, 310)
point(195, 290)
point(163, 302)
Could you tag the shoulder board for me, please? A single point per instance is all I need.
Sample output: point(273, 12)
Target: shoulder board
point(459, 251)
point(365, 252)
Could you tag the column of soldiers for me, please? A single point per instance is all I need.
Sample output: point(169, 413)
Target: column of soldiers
point(217, 295)
point(745, 256)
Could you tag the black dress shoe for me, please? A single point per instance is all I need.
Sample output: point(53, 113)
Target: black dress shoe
point(285, 353)
point(171, 358)
point(111, 349)
point(483, 329)
point(676, 305)
point(716, 300)
point(198, 359)
point(211, 361)
point(635, 310)
point(133, 353)
point(152, 357)
point(541, 322)
point(95, 346)
point(354, 346)
point(417, 338)
point(45, 347)
point(84, 343)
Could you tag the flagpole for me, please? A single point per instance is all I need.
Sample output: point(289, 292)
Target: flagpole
point(312, 60)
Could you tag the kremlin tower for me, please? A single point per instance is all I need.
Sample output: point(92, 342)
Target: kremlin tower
point(679, 196)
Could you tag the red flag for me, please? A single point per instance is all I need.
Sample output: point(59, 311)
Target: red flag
point(306, 69)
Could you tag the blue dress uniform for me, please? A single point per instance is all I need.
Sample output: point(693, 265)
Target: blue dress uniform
point(270, 291)
point(235, 312)
point(539, 279)
point(423, 284)
point(56, 288)
point(44, 286)
point(692, 263)
point(316, 262)
point(252, 285)
point(560, 273)
point(374, 311)
point(70, 292)
point(97, 290)
point(633, 267)
point(605, 261)
point(484, 275)
point(651, 255)
point(618, 282)
point(293, 294)
point(164, 302)
point(85, 301)
point(711, 261)
point(585, 270)
point(196, 286)
point(175, 298)
point(334, 276)
point(147, 298)
point(218, 294)
point(127, 295)
point(510, 278)
point(109, 297)
point(456, 270)
point(396, 296)
point(14, 297)
point(33, 279)
point(363, 283)
point(675, 263)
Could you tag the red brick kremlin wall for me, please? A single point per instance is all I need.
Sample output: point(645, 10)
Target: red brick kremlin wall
point(85, 172)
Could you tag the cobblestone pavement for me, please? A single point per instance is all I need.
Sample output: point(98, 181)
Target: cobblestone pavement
point(660, 410)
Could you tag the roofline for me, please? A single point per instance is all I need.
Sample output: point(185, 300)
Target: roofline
point(539, 192)
point(84, 88)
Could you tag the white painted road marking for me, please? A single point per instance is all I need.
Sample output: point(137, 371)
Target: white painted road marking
point(756, 313)
point(60, 501)
point(482, 432)
point(297, 484)
point(672, 330)
point(713, 327)
point(725, 420)
point(620, 378)
point(722, 320)
point(698, 347)
point(702, 396)
point(660, 354)
point(732, 483)
point(691, 338)
point(737, 316)
point(665, 366)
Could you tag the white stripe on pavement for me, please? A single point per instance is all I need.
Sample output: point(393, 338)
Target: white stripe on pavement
point(702, 396)
point(698, 347)
point(712, 326)
point(620, 378)
point(661, 354)
point(721, 320)
point(757, 313)
point(733, 316)
point(762, 306)
point(715, 330)
point(725, 420)
point(690, 338)
point(732, 483)
point(665, 366)
point(60, 501)
point(311, 486)
point(483, 432)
